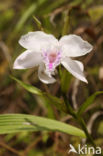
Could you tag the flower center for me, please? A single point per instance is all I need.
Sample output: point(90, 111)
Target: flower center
point(52, 57)
point(51, 60)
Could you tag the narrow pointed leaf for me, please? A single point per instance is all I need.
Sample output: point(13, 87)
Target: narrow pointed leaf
point(38, 23)
point(28, 87)
point(12, 123)
point(88, 102)
point(59, 103)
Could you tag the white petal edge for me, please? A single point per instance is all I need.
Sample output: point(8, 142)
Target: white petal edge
point(27, 59)
point(80, 64)
point(74, 46)
point(38, 41)
point(74, 68)
point(43, 76)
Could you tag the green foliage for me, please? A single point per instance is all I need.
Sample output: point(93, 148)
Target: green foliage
point(28, 87)
point(24, 17)
point(59, 103)
point(58, 17)
point(38, 23)
point(65, 81)
point(88, 102)
point(12, 123)
point(27, 13)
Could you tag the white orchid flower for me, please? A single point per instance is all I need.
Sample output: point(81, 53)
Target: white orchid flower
point(45, 51)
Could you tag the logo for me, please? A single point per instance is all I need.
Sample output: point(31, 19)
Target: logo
point(84, 150)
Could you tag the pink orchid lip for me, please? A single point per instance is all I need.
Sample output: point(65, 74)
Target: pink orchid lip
point(50, 66)
point(51, 60)
point(52, 57)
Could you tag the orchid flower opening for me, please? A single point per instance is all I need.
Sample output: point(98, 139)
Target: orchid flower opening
point(45, 51)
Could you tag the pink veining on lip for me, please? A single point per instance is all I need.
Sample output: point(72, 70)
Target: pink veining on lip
point(51, 59)
point(50, 66)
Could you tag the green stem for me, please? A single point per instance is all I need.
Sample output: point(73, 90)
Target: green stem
point(79, 120)
point(83, 125)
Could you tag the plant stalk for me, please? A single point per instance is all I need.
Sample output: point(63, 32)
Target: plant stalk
point(79, 120)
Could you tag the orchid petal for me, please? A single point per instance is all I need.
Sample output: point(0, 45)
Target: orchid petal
point(28, 59)
point(80, 64)
point(38, 41)
point(74, 68)
point(43, 76)
point(73, 46)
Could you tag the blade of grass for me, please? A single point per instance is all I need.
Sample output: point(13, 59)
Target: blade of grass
point(38, 23)
point(10, 123)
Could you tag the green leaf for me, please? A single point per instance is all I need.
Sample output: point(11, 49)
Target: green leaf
point(88, 102)
point(12, 123)
point(28, 12)
point(28, 87)
point(59, 103)
point(38, 23)
point(25, 16)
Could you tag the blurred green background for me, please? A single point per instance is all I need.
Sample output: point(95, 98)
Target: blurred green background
point(81, 17)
